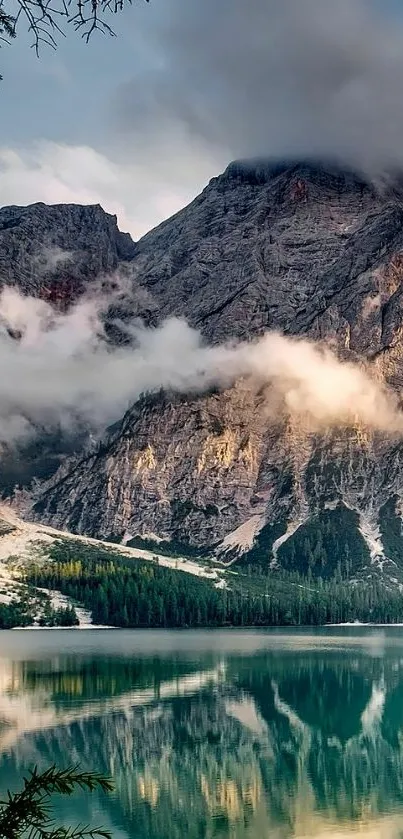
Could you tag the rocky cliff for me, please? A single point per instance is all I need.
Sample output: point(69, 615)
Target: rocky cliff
point(302, 248)
point(53, 252)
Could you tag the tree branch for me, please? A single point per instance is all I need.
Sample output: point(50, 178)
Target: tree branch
point(44, 18)
point(29, 810)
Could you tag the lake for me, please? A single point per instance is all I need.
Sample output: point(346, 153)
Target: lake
point(226, 734)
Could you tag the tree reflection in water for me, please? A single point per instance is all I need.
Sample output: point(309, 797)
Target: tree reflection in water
point(282, 744)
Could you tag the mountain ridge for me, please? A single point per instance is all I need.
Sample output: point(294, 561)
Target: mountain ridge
point(305, 250)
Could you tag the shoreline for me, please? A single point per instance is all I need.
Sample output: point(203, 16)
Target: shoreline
point(347, 625)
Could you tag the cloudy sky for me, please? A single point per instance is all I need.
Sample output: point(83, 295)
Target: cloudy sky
point(140, 122)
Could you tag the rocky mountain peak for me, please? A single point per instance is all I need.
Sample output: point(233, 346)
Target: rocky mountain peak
point(51, 251)
point(328, 174)
point(302, 248)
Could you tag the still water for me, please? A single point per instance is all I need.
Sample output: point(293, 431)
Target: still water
point(213, 734)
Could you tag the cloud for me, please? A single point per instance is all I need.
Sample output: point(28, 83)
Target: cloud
point(50, 258)
point(141, 193)
point(289, 78)
point(211, 82)
point(62, 370)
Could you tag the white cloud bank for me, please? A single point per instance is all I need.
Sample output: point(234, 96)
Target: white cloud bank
point(61, 369)
point(141, 193)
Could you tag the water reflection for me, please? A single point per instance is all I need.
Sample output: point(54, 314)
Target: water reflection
point(282, 741)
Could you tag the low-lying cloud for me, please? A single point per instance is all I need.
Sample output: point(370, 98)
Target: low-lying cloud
point(60, 369)
point(50, 258)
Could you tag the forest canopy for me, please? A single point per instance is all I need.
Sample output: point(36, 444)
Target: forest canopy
point(137, 593)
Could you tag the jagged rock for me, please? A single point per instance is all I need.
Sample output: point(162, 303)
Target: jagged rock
point(53, 252)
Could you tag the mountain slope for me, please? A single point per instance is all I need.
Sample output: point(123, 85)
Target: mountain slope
point(306, 249)
point(291, 247)
point(25, 546)
point(53, 252)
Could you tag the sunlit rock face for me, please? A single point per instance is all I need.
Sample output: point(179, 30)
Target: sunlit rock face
point(308, 249)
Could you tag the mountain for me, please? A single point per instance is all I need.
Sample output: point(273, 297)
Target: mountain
point(52, 252)
point(28, 550)
point(308, 249)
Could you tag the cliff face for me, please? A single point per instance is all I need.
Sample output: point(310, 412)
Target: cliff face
point(53, 252)
point(299, 248)
point(296, 248)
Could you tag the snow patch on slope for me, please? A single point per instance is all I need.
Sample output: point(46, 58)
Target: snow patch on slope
point(7, 592)
point(60, 601)
point(291, 529)
point(243, 537)
point(152, 537)
point(372, 537)
point(21, 542)
point(332, 505)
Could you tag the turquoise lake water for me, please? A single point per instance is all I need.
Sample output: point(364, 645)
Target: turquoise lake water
point(215, 733)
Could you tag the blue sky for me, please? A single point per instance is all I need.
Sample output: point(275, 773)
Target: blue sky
point(140, 122)
point(65, 93)
point(61, 139)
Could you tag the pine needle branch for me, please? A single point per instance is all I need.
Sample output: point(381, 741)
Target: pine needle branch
point(29, 812)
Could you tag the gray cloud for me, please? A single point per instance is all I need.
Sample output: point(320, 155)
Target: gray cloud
point(50, 258)
point(275, 77)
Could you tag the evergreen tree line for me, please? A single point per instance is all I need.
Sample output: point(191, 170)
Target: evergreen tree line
point(134, 593)
point(13, 614)
point(22, 611)
point(328, 545)
point(62, 616)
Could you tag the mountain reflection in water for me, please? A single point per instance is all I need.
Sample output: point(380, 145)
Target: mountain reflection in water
point(226, 735)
